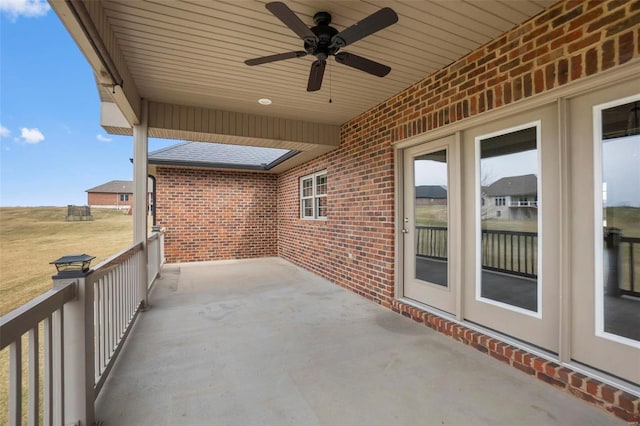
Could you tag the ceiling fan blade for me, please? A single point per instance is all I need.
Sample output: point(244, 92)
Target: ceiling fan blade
point(291, 20)
point(277, 57)
point(363, 64)
point(369, 25)
point(315, 76)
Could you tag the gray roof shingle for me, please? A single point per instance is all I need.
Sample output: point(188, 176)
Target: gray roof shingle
point(513, 185)
point(206, 154)
point(114, 187)
point(431, 191)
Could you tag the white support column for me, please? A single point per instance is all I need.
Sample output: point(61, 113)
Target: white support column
point(140, 177)
point(78, 364)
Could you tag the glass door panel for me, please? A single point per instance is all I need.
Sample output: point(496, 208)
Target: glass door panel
point(618, 237)
point(508, 240)
point(431, 217)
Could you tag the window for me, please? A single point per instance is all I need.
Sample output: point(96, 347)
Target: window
point(313, 196)
point(500, 201)
point(124, 197)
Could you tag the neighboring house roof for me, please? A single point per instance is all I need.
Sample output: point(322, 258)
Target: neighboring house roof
point(215, 155)
point(513, 185)
point(431, 191)
point(115, 187)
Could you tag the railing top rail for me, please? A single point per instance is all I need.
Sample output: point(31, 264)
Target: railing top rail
point(436, 228)
point(117, 259)
point(22, 319)
point(502, 232)
point(155, 234)
point(487, 231)
point(634, 240)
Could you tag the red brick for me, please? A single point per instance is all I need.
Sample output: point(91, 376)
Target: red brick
point(625, 47)
point(578, 380)
point(628, 23)
point(586, 17)
point(524, 368)
point(606, 20)
point(576, 67)
point(608, 393)
point(591, 61)
point(593, 387)
point(626, 401)
point(608, 54)
point(549, 379)
point(564, 374)
point(562, 19)
point(585, 396)
point(499, 357)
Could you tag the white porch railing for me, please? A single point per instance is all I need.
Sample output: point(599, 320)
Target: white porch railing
point(527, 203)
point(155, 248)
point(85, 322)
point(45, 311)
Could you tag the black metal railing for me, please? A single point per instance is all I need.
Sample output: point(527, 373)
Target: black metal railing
point(431, 242)
point(510, 252)
point(623, 253)
point(632, 250)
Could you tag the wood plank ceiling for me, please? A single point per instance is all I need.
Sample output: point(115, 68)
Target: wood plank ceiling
point(191, 52)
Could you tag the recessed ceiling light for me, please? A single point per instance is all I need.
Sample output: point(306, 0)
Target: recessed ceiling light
point(264, 101)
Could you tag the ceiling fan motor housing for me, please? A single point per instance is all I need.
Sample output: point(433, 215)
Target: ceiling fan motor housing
point(325, 33)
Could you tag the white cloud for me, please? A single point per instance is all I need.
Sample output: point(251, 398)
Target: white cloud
point(31, 135)
point(26, 8)
point(102, 138)
point(4, 132)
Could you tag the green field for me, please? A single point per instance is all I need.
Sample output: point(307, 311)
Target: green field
point(30, 238)
point(625, 218)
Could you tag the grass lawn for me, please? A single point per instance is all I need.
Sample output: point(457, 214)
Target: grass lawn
point(30, 238)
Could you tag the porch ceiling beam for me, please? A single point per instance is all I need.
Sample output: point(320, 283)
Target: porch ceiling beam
point(89, 27)
point(171, 121)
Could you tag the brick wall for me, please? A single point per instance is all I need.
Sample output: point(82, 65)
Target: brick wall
point(215, 215)
point(567, 42)
point(107, 199)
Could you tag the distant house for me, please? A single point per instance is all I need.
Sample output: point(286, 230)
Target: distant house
point(431, 195)
point(511, 198)
point(117, 194)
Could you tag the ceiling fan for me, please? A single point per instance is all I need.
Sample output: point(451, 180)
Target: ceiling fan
point(323, 41)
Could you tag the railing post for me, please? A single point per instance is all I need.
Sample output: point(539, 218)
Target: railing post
point(140, 195)
point(613, 236)
point(78, 366)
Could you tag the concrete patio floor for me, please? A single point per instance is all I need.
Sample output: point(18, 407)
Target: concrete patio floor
point(263, 342)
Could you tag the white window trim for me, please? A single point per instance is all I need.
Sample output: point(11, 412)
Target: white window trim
point(314, 196)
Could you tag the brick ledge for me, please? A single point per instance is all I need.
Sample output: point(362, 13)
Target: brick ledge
point(616, 401)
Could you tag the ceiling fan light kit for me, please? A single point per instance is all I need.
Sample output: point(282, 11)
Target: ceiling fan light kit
point(323, 41)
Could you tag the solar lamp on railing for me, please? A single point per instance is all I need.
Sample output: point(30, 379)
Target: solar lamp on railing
point(73, 265)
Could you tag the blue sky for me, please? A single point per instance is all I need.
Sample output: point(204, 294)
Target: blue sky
point(52, 147)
